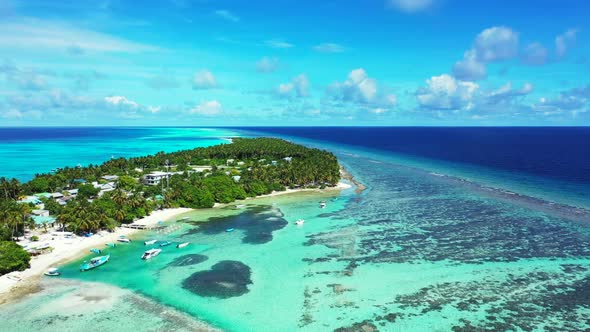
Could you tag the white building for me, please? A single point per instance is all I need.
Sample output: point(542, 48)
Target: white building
point(154, 178)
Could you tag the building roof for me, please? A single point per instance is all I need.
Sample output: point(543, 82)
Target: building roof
point(43, 220)
point(30, 199)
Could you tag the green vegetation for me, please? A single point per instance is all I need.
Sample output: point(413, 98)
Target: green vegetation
point(201, 177)
point(13, 257)
point(198, 178)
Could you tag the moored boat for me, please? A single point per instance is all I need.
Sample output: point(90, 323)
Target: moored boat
point(110, 244)
point(182, 245)
point(299, 222)
point(94, 263)
point(150, 242)
point(124, 240)
point(322, 204)
point(151, 253)
point(230, 230)
point(96, 251)
point(52, 272)
point(164, 244)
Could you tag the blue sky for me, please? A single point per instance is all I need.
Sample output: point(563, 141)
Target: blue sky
point(294, 62)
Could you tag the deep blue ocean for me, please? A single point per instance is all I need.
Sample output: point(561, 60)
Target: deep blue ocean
point(459, 229)
point(556, 152)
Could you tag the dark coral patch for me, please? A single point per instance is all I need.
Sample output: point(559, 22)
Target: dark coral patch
point(190, 259)
point(257, 222)
point(225, 279)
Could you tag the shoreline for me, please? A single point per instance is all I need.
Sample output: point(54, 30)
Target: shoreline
point(66, 250)
point(346, 175)
point(20, 283)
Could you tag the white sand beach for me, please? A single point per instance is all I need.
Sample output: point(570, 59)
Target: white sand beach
point(14, 284)
point(65, 249)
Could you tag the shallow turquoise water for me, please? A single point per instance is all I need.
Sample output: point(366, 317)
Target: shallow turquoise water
point(414, 252)
point(27, 151)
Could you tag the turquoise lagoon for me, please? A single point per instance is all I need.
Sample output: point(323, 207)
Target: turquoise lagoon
point(416, 251)
point(27, 151)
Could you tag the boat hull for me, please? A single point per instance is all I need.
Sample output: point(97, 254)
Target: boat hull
point(94, 263)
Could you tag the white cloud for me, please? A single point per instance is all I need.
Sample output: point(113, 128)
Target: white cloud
point(444, 92)
point(469, 69)
point(278, 43)
point(505, 95)
point(154, 109)
point(267, 65)
point(362, 89)
point(378, 110)
point(565, 41)
point(411, 6)
point(121, 101)
point(37, 34)
point(298, 87)
point(227, 15)
point(329, 48)
point(204, 79)
point(535, 54)
point(492, 44)
point(495, 44)
point(208, 108)
point(358, 95)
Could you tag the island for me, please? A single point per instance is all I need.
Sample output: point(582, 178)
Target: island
point(84, 200)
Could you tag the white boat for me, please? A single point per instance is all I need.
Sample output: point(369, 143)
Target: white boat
point(299, 222)
point(150, 242)
point(52, 272)
point(182, 245)
point(151, 253)
point(322, 204)
point(126, 240)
